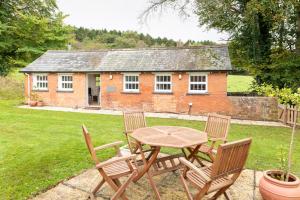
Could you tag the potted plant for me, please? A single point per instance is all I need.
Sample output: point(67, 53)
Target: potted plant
point(281, 184)
point(40, 101)
point(33, 99)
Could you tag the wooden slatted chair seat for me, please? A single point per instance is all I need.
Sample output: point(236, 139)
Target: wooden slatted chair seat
point(117, 168)
point(112, 169)
point(229, 163)
point(199, 182)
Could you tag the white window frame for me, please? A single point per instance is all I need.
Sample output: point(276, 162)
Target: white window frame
point(60, 82)
point(35, 82)
point(132, 82)
point(162, 82)
point(205, 83)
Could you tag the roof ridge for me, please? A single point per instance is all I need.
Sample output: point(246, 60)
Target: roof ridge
point(142, 48)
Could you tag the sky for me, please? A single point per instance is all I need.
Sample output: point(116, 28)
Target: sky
point(124, 15)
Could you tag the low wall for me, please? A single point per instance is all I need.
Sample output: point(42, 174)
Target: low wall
point(254, 108)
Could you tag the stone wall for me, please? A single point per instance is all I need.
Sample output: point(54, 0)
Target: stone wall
point(254, 108)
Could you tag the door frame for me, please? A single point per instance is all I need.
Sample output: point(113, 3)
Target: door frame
point(87, 90)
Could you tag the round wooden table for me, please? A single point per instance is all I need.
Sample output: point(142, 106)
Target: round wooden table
point(166, 136)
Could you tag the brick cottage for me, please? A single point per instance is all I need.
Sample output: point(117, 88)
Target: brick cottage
point(178, 80)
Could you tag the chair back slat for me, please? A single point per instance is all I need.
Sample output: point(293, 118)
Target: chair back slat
point(133, 121)
point(89, 144)
point(217, 126)
point(231, 158)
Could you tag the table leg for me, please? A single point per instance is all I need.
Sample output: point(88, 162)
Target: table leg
point(193, 153)
point(147, 164)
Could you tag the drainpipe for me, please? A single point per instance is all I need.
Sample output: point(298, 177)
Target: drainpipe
point(28, 87)
point(190, 108)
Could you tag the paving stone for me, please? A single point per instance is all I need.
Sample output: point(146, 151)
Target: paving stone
point(169, 186)
point(64, 192)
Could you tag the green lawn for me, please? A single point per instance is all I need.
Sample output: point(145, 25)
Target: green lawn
point(40, 148)
point(239, 83)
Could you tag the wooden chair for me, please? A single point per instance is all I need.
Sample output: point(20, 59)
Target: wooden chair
point(216, 127)
point(113, 169)
point(132, 121)
point(228, 165)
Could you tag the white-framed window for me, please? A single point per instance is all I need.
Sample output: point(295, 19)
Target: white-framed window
point(40, 82)
point(65, 82)
point(163, 83)
point(131, 82)
point(198, 83)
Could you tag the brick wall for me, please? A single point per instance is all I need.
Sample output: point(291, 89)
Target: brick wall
point(113, 97)
point(53, 97)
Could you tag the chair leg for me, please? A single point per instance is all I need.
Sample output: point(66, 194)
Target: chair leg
point(115, 187)
point(122, 195)
point(94, 191)
point(219, 193)
point(123, 187)
point(211, 156)
point(185, 187)
point(227, 196)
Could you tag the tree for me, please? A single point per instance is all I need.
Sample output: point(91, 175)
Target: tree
point(28, 28)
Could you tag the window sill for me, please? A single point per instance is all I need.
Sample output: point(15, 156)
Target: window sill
point(192, 93)
point(167, 93)
point(65, 91)
point(127, 92)
point(37, 90)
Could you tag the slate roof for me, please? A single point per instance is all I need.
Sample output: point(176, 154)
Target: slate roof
point(66, 61)
point(202, 58)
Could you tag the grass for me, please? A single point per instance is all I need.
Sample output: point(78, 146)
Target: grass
point(239, 83)
point(12, 85)
point(40, 148)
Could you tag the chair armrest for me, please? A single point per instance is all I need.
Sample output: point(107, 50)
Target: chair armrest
point(190, 165)
point(114, 144)
point(115, 160)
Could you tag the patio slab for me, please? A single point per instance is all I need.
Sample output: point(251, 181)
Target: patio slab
point(168, 184)
point(149, 114)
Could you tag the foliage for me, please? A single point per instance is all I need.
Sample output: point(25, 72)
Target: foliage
point(27, 29)
point(283, 71)
point(100, 39)
point(285, 96)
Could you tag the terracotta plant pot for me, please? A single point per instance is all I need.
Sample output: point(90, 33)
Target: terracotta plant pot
point(274, 189)
point(32, 103)
point(40, 103)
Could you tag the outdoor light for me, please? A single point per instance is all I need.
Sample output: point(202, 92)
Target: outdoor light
point(180, 76)
point(110, 76)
